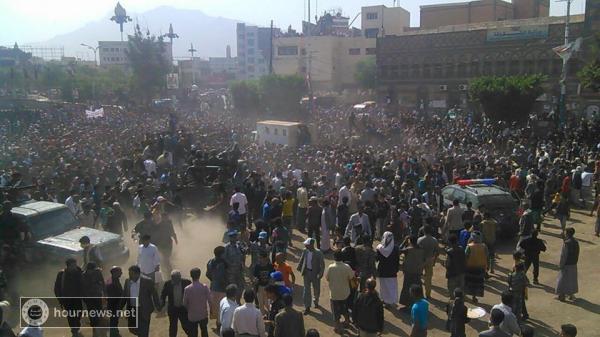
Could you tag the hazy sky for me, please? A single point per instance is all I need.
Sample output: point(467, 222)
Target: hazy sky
point(37, 20)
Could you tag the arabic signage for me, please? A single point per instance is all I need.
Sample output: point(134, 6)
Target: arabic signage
point(517, 33)
point(172, 81)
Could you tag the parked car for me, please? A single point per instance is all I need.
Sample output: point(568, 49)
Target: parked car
point(55, 235)
point(505, 208)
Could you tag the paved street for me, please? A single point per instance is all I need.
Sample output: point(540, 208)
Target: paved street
point(546, 312)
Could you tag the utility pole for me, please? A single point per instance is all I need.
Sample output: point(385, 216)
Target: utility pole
point(192, 51)
point(562, 104)
point(272, 51)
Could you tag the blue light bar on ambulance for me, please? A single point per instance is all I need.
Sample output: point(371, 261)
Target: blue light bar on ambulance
point(467, 182)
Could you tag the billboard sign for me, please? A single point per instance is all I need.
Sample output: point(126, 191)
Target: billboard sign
point(173, 81)
point(517, 33)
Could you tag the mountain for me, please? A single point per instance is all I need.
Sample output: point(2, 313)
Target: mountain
point(210, 35)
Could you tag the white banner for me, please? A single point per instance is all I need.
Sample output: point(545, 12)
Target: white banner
point(94, 113)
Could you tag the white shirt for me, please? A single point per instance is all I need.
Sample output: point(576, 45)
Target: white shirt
point(73, 206)
point(308, 261)
point(240, 198)
point(247, 319)
point(509, 324)
point(344, 192)
point(134, 291)
point(226, 309)
point(297, 173)
point(150, 166)
point(586, 179)
point(148, 259)
point(276, 182)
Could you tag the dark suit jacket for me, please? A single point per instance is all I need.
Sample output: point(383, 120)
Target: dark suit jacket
point(167, 293)
point(289, 323)
point(148, 297)
point(114, 289)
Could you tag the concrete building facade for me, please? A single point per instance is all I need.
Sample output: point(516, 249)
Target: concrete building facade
point(330, 60)
point(433, 67)
point(193, 71)
point(433, 16)
point(115, 53)
point(393, 20)
point(253, 51)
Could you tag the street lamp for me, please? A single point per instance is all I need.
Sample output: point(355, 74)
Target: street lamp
point(95, 49)
point(120, 17)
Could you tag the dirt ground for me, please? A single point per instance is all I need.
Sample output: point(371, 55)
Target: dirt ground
point(197, 239)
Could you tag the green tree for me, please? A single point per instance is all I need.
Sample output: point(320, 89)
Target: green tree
point(245, 95)
point(281, 94)
point(366, 73)
point(589, 75)
point(149, 65)
point(509, 98)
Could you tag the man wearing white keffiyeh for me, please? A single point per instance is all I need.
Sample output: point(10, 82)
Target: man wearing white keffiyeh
point(387, 269)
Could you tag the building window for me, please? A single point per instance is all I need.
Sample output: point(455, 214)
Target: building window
point(501, 68)
point(251, 60)
point(276, 132)
point(287, 50)
point(372, 16)
point(371, 51)
point(284, 132)
point(354, 51)
point(250, 41)
point(105, 50)
point(371, 33)
point(403, 71)
point(393, 72)
point(416, 71)
point(487, 68)
point(437, 70)
point(426, 71)
point(514, 67)
point(250, 51)
point(303, 51)
point(267, 131)
point(475, 69)
point(250, 69)
point(450, 70)
point(462, 70)
point(116, 49)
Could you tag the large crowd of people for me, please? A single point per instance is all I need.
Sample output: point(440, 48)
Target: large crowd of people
point(367, 194)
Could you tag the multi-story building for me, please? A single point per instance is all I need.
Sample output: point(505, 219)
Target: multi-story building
point(432, 67)
point(439, 15)
point(223, 65)
point(329, 60)
point(379, 20)
point(193, 71)
point(330, 57)
point(115, 53)
point(253, 50)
